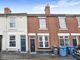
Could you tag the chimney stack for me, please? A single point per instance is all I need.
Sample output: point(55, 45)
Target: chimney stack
point(7, 10)
point(47, 9)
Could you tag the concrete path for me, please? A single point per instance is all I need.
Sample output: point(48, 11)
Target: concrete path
point(32, 57)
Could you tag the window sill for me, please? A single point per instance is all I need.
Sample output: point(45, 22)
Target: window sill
point(12, 28)
point(44, 48)
point(78, 26)
point(63, 29)
point(43, 29)
point(12, 47)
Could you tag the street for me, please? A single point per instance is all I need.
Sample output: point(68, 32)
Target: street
point(33, 57)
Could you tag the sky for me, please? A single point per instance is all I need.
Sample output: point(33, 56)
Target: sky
point(37, 6)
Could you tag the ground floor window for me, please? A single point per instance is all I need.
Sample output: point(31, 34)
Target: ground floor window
point(64, 40)
point(43, 41)
point(12, 42)
point(75, 40)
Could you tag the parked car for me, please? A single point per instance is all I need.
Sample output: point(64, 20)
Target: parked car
point(76, 53)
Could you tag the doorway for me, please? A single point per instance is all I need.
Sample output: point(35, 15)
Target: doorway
point(32, 44)
point(23, 43)
point(74, 42)
point(0, 43)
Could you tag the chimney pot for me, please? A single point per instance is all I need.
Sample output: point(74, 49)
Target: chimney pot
point(47, 9)
point(7, 10)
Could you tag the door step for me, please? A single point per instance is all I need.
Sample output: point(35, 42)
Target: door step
point(32, 52)
point(23, 52)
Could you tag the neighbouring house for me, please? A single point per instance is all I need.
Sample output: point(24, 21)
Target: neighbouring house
point(13, 31)
point(52, 30)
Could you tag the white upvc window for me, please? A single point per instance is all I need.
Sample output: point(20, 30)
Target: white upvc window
point(12, 22)
point(64, 40)
point(43, 41)
point(12, 42)
point(42, 23)
point(62, 22)
point(78, 20)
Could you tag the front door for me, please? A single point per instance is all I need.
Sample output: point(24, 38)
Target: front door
point(0, 43)
point(74, 42)
point(23, 43)
point(32, 45)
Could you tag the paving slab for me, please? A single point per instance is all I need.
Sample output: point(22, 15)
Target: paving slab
point(33, 57)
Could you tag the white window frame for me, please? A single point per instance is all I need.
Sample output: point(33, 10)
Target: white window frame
point(62, 23)
point(43, 39)
point(77, 36)
point(40, 41)
point(42, 26)
point(64, 40)
point(12, 40)
point(13, 22)
point(78, 21)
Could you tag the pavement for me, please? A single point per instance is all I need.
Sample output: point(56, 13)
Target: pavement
point(33, 57)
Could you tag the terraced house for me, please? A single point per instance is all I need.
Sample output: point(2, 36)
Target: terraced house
point(13, 31)
point(38, 32)
point(52, 30)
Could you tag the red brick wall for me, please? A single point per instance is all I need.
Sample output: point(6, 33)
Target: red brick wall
point(53, 30)
point(53, 27)
point(33, 24)
point(72, 24)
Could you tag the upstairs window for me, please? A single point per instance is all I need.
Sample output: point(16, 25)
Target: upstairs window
point(78, 20)
point(12, 22)
point(42, 23)
point(62, 22)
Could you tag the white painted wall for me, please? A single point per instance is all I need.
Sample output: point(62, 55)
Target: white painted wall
point(2, 31)
point(2, 24)
point(21, 29)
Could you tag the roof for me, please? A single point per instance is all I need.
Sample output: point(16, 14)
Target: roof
point(41, 15)
point(53, 15)
point(14, 14)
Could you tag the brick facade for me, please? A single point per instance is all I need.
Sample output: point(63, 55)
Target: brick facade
point(53, 28)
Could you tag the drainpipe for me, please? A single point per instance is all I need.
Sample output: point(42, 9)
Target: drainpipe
point(6, 35)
